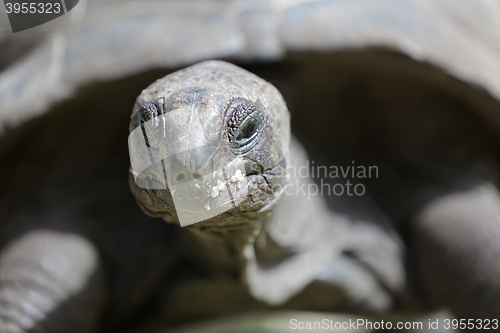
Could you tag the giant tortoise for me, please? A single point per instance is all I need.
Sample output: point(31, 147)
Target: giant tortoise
point(406, 89)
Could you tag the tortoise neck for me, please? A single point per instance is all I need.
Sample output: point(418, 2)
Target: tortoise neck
point(226, 249)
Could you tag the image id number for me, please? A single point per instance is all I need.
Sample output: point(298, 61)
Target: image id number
point(463, 324)
point(33, 7)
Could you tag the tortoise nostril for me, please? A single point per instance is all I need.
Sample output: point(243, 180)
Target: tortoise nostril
point(196, 175)
point(180, 177)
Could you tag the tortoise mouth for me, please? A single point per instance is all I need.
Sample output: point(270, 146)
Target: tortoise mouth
point(196, 199)
point(239, 206)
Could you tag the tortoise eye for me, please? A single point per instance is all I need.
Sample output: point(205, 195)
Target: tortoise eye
point(147, 112)
point(251, 128)
point(248, 129)
point(244, 124)
point(247, 133)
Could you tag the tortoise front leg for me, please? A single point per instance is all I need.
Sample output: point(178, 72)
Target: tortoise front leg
point(50, 282)
point(456, 239)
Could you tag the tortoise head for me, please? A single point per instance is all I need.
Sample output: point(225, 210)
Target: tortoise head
point(209, 143)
